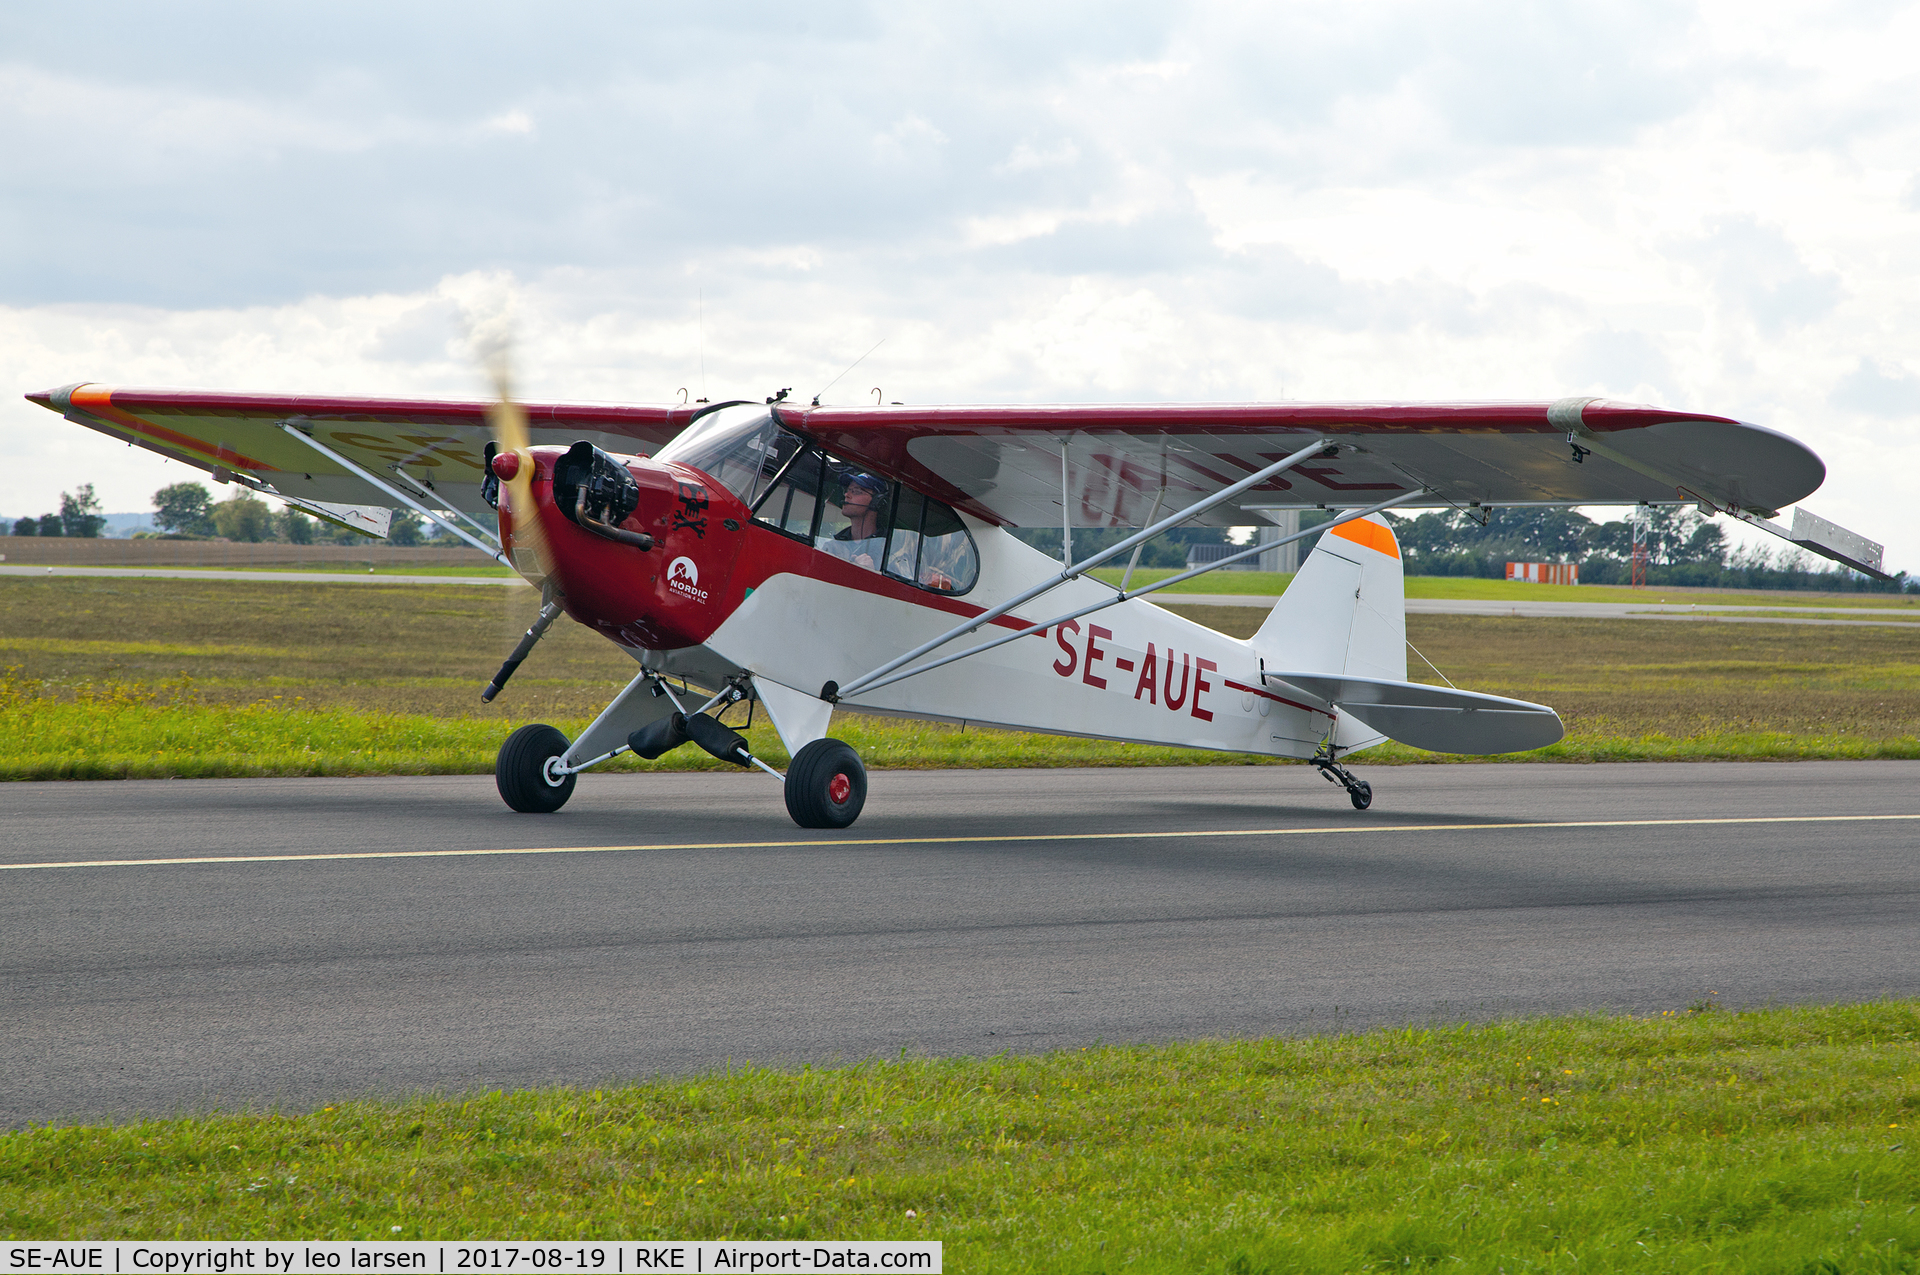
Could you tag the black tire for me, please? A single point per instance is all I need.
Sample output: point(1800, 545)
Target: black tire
point(520, 771)
point(826, 785)
point(1361, 793)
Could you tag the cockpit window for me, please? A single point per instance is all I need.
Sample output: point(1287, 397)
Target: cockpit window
point(741, 450)
point(872, 522)
point(794, 501)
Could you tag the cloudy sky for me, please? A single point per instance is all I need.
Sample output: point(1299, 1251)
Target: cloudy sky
point(1710, 206)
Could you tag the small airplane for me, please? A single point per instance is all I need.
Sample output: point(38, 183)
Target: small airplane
point(802, 558)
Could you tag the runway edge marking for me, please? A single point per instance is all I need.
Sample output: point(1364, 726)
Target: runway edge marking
point(1183, 834)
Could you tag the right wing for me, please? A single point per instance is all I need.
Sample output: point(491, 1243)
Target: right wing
point(1120, 463)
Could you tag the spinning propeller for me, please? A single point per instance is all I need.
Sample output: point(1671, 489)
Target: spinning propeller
point(512, 467)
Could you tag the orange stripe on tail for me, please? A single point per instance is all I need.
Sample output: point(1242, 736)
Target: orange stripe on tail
point(1371, 534)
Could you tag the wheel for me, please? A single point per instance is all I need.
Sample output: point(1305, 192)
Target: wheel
point(523, 771)
point(826, 785)
point(1362, 794)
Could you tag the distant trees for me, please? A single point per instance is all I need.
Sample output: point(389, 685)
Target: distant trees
point(1683, 548)
point(293, 526)
point(245, 518)
point(184, 509)
point(80, 513)
point(404, 530)
point(79, 516)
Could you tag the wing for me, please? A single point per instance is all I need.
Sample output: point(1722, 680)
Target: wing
point(1004, 463)
point(432, 449)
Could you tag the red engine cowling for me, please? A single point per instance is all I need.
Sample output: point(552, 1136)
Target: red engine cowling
point(670, 596)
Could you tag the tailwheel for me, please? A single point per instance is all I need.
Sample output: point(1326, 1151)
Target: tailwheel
point(826, 785)
point(527, 770)
point(1359, 791)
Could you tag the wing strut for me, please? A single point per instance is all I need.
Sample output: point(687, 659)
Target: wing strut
point(361, 472)
point(1314, 449)
point(1116, 600)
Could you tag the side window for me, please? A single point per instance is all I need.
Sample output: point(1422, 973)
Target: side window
point(849, 513)
point(853, 524)
point(794, 500)
point(949, 562)
point(903, 551)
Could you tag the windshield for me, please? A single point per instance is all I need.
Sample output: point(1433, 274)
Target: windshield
point(734, 446)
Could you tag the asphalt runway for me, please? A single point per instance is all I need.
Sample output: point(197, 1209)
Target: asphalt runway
point(174, 946)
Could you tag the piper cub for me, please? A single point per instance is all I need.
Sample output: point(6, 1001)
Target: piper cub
point(808, 558)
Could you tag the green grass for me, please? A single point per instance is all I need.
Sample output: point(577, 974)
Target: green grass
point(1698, 1139)
point(121, 732)
point(156, 678)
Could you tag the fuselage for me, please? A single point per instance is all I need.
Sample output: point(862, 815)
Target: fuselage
point(724, 592)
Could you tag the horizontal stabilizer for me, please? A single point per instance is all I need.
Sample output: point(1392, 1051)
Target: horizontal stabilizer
point(1816, 535)
point(1437, 718)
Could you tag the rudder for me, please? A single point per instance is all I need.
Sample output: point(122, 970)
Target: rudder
point(1346, 610)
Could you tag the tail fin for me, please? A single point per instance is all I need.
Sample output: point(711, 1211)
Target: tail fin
point(1340, 633)
point(1345, 613)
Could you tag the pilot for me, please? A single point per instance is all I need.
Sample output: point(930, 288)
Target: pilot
point(863, 539)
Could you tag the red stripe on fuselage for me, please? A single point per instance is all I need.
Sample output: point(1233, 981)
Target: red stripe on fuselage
point(1254, 690)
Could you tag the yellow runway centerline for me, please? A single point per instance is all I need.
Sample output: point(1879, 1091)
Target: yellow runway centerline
point(1183, 834)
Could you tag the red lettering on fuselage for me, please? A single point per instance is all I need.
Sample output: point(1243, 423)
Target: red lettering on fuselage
point(1094, 654)
point(1193, 671)
point(1173, 702)
point(1201, 667)
point(1149, 677)
point(1065, 667)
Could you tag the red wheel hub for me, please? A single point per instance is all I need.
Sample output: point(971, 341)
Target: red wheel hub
point(839, 788)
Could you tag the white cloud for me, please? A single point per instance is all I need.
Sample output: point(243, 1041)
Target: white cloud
point(1706, 204)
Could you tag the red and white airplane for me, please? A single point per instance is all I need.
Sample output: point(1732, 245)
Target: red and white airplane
point(805, 558)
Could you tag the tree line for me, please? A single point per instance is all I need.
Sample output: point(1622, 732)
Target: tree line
point(187, 511)
point(79, 516)
point(1683, 549)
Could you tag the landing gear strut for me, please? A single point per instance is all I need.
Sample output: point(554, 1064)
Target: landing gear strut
point(1359, 791)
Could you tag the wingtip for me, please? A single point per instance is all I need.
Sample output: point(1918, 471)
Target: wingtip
point(58, 399)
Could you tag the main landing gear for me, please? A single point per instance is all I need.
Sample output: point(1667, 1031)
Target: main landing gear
point(528, 771)
point(1359, 791)
point(826, 786)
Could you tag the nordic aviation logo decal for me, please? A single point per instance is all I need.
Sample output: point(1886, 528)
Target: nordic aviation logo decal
point(684, 577)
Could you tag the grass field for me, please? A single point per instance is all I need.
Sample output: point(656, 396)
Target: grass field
point(1699, 1139)
point(118, 677)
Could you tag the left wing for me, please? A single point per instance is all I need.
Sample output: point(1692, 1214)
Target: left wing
point(430, 448)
